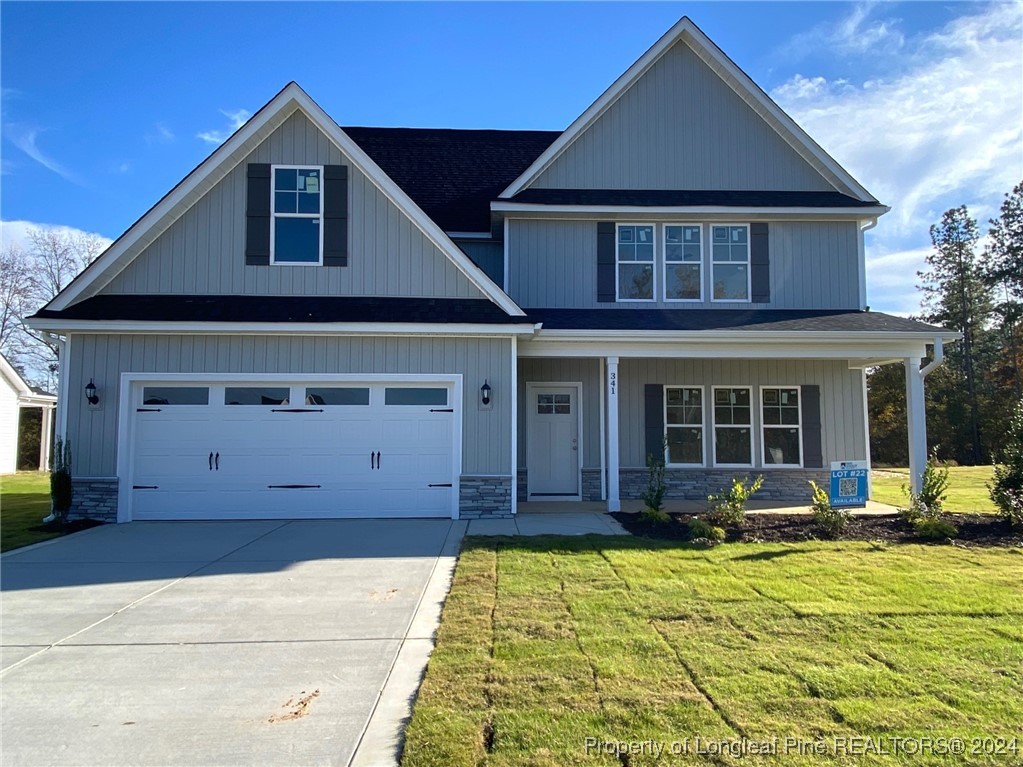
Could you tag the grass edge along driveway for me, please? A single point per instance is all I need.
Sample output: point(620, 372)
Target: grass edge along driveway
point(24, 501)
point(547, 641)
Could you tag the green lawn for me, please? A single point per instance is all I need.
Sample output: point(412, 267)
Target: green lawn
point(24, 501)
point(546, 642)
point(967, 491)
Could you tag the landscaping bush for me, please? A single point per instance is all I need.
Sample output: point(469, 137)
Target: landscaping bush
point(729, 506)
point(700, 529)
point(655, 491)
point(1006, 486)
point(935, 528)
point(831, 520)
point(657, 516)
point(934, 483)
point(61, 489)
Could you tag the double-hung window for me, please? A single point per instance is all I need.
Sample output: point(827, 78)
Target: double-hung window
point(683, 419)
point(730, 265)
point(782, 429)
point(683, 262)
point(635, 262)
point(296, 234)
point(733, 426)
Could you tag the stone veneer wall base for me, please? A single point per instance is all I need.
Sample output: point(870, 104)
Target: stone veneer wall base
point(94, 498)
point(484, 498)
point(697, 484)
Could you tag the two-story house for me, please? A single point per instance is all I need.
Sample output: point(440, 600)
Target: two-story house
point(326, 322)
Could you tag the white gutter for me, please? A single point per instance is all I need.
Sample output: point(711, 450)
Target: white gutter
point(751, 212)
point(715, 336)
point(282, 328)
point(939, 357)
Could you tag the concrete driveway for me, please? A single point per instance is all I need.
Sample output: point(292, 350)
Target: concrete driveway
point(218, 643)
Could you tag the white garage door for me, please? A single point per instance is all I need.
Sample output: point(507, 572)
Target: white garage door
point(293, 450)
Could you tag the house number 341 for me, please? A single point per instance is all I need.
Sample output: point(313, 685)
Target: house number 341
point(612, 382)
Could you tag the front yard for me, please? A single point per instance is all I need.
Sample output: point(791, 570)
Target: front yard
point(553, 649)
point(967, 488)
point(24, 501)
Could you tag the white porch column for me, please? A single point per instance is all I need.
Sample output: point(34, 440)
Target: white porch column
point(44, 439)
point(614, 503)
point(916, 417)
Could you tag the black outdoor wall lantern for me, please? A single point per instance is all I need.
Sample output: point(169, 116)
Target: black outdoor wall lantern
point(485, 393)
point(90, 393)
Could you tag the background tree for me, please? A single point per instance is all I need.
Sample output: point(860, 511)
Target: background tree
point(956, 296)
point(28, 280)
point(1002, 271)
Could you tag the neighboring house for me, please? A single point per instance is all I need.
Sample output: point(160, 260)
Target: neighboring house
point(16, 393)
point(322, 321)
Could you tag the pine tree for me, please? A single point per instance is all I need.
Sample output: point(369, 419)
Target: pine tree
point(1002, 271)
point(956, 296)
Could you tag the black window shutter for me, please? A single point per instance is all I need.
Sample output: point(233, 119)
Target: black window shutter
point(810, 412)
point(653, 420)
point(760, 264)
point(606, 262)
point(335, 215)
point(257, 216)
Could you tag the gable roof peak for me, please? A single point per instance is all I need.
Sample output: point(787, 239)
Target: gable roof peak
point(686, 31)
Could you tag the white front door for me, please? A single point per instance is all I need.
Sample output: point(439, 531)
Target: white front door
point(552, 452)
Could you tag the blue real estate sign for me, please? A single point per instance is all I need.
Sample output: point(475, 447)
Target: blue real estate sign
point(849, 483)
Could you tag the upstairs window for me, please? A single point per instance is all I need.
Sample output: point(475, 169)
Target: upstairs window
point(683, 262)
point(635, 262)
point(296, 233)
point(730, 262)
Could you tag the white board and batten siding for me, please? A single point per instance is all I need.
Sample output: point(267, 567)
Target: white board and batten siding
point(485, 433)
point(9, 416)
point(203, 252)
point(814, 265)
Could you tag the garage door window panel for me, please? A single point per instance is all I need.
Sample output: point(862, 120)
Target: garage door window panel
point(415, 396)
point(176, 395)
point(337, 395)
point(257, 395)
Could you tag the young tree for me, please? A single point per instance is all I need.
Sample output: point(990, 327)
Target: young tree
point(956, 296)
point(1002, 271)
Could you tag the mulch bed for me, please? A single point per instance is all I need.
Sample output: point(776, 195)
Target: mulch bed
point(974, 529)
point(74, 526)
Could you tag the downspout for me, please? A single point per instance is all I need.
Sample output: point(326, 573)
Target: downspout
point(861, 247)
point(939, 357)
point(60, 411)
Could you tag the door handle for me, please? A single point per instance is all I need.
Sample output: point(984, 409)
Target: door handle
point(216, 460)
point(378, 459)
point(211, 461)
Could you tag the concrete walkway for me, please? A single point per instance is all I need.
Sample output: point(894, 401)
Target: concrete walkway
point(567, 521)
point(219, 643)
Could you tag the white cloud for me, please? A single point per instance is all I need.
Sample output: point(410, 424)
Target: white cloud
point(160, 134)
point(16, 233)
point(25, 138)
point(944, 128)
point(856, 34)
point(237, 118)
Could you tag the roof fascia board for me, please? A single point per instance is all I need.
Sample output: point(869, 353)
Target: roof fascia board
point(18, 383)
point(686, 31)
point(281, 328)
point(749, 348)
point(216, 166)
point(501, 206)
point(714, 336)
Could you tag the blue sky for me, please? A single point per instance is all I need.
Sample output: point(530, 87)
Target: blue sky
point(108, 105)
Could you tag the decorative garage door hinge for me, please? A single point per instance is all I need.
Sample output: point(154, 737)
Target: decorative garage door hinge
point(297, 410)
point(291, 487)
point(148, 410)
point(145, 487)
point(442, 410)
point(440, 484)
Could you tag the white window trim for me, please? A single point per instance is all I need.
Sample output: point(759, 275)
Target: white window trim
point(749, 266)
point(652, 262)
point(764, 426)
point(274, 215)
point(666, 262)
point(714, 425)
point(703, 425)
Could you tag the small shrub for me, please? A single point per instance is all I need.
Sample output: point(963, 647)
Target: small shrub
point(700, 529)
point(1006, 486)
point(916, 510)
point(61, 488)
point(831, 520)
point(729, 506)
point(657, 516)
point(655, 491)
point(934, 483)
point(935, 528)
